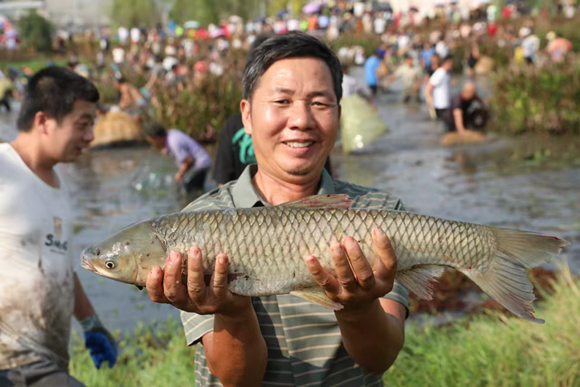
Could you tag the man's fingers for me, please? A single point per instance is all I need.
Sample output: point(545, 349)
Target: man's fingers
point(173, 287)
point(386, 269)
point(195, 282)
point(360, 266)
point(346, 277)
point(322, 277)
point(155, 286)
point(220, 277)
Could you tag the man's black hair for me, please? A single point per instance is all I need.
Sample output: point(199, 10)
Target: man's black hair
point(448, 57)
point(154, 130)
point(294, 44)
point(54, 90)
point(257, 43)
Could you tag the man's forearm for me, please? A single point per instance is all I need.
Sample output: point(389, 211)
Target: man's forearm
point(185, 165)
point(371, 337)
point(236, 351)
point(458, 117)
point(428, 94)
point(83, 307)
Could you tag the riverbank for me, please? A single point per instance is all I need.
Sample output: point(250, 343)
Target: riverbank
point(485, 350)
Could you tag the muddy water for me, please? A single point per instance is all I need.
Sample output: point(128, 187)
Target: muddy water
point(527, 183)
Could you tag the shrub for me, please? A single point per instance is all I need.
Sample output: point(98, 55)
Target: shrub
point(35, 32)
point(544, 99)
point(203, 103)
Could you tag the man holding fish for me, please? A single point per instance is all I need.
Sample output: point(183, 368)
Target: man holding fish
point(302, 288)
point(292, 86)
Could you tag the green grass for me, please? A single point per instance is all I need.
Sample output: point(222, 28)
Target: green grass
point(34, 64)
point(154, 355)
point(489, 350)
point(497, 350)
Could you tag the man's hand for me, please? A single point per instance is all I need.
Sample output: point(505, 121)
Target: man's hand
point(358, 284)
point(167, 287)
point(99, 342)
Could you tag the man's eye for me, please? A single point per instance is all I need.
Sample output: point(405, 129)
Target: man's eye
point(283, 102)
point(318, 103)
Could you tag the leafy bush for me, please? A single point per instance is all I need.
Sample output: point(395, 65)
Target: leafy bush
point(35, 32)
point(545, 99)
point(209, 101)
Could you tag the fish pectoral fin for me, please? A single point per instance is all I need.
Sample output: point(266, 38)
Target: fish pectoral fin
point(328, 202)
point(420, 279)
point(317, 296)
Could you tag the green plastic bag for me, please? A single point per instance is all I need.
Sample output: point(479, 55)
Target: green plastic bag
point(360, 124)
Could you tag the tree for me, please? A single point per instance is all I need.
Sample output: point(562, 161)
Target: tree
point(135, 13)
point(204, 11)
point(36, 32)
point(212, 11)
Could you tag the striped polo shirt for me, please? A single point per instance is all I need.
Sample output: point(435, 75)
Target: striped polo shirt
point(303, 339)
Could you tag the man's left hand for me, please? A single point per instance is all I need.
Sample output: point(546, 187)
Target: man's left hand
point(358, 284)
point(99, 342)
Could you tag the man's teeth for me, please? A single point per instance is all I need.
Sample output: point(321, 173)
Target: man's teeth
point(299, 144)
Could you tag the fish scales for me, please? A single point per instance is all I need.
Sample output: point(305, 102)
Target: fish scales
point(267, 246)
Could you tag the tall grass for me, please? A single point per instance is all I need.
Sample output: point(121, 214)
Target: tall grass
point(488, 350)
point(496, 350)
point(538, 100)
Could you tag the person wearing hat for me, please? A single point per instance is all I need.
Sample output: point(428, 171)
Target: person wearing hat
point(530, 44)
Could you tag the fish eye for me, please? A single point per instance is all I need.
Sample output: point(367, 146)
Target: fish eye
point(110, 265)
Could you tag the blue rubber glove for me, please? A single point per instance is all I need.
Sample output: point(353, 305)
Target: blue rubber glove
point(99, 342)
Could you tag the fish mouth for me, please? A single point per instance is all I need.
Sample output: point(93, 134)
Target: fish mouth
point(86, 263)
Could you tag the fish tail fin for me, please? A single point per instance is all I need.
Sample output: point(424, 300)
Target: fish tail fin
point(506, 280)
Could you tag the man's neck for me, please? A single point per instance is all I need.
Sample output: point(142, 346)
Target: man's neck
point(276, 191)
point(27, 147)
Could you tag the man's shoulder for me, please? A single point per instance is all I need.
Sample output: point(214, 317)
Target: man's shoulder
point(216, 199)
point(366, 197)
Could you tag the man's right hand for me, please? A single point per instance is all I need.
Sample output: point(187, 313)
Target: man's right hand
point(166, 286)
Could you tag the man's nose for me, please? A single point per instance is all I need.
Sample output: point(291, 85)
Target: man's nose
point(89, 135)
point(301, 117)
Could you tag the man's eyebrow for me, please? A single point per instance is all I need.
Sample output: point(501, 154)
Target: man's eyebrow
point(320, 93)
point(283, 90)
point(316, 93)
point(86, 116)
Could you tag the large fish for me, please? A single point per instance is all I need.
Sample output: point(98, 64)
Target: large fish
point(266, 247)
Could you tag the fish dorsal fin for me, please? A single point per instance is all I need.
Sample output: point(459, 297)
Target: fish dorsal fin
point(327, 202)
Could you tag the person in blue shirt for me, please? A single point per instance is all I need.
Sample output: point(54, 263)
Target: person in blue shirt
point(426, 57)
point(372, 73)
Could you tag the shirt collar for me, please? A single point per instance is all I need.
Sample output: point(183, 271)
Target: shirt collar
point(245, 195)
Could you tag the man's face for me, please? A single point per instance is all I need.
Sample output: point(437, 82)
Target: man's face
point(447, 65)
point(293, 119)
point(65, 141)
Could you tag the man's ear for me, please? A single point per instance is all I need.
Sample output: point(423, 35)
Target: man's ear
point(39, 124)
point(246, 108)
